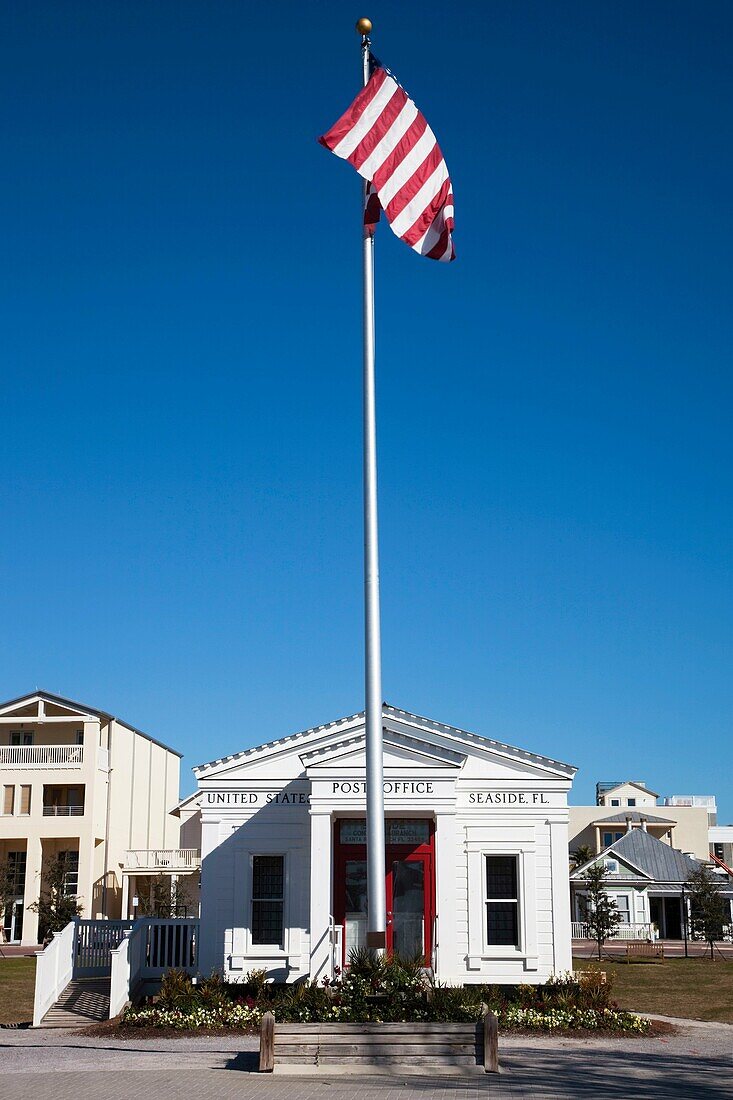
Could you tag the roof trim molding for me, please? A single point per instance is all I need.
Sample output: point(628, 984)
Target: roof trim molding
point(396, 721)
point(323, 755)
point(578, 873)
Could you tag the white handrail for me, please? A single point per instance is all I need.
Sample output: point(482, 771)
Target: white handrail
point(642, 931)
point(337, 947)
point(43, 756)
point(54, 971)
point(152, 946)
point(163, 859)
point(119, 980)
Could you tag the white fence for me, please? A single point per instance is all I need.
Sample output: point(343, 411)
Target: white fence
point(54, 971)
point(337, 947)
point(623, 932)
point(93, 943)
point(147, 950)
point(163, 859)
point(41, 756)
point(131, 953)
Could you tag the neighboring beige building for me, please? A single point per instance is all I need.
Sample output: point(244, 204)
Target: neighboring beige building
point(622, 807)
point(75, 779)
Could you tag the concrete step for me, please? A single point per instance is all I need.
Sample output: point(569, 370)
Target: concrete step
point(84, 1001)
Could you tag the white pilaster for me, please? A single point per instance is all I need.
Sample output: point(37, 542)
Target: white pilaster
point(447, 859)
point(125, 909)
point(321, 891)
point(32, 890)
point(561, 940)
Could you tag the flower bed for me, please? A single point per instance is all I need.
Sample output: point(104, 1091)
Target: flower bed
point(381, 990)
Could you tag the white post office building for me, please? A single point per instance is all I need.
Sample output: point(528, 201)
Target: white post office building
point(476, 860)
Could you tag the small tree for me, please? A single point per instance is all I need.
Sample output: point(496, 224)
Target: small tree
point(600, 912)
point(9, 888)
point(707, 906)
point(56, 904)
point(582, 854)
point(168, 898)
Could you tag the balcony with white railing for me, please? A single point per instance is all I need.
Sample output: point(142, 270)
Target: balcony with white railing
point(63, 811)
point(580, 931)
point(41, 756)
point(156, 861)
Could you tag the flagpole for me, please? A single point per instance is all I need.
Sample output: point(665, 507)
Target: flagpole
point(377, 906)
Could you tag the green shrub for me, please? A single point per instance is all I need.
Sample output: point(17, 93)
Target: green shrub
point(176, 991)
point(383, 990)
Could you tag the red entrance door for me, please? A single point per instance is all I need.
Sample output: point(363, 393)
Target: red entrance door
point(410, 885)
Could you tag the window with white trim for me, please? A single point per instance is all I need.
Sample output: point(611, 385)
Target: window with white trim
point(9, 799)
point(502, 901)
point(622, 904)
point(268, 900)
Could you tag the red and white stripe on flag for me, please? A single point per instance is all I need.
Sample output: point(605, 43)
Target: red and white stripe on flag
point(388, 141)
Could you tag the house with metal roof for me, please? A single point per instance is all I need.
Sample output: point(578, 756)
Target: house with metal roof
point(646, 878)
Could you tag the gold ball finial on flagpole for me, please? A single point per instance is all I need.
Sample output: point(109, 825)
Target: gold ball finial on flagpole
point(364, 27)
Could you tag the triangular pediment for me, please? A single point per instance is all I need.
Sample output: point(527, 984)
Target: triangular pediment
point(409, 740)
point(399, 752)
point(40, 705)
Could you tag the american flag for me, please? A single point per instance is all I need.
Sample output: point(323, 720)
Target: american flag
point(388, 141)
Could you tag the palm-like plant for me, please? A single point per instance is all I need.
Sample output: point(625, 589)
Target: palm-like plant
point(582, 854)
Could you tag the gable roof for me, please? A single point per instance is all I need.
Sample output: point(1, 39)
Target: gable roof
point(411, 747)
point(636, 816)
point(653, 858)
point(630, 783)
point(61, 701)
point(395, 714)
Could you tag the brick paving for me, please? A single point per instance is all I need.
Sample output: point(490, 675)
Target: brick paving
point(695, 1064)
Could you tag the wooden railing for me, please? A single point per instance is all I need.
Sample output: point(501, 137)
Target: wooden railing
point(163, 859)
point(41, 756)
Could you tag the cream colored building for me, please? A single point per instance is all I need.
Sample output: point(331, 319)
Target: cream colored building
point(622, 807)
point(75, 779)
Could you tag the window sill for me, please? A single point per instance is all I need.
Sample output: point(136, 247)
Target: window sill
point(277, 956)
point(498, 954)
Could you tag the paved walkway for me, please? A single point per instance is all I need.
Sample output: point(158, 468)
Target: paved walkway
point(695, 1064)
point(673, 949)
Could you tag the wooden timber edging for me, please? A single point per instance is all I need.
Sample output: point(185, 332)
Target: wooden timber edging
point(427, 1048)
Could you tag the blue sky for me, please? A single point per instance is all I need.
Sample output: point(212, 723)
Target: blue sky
point(180, 444)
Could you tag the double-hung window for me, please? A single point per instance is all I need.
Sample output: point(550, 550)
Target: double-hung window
point(502, 901)
point(622, 904)
point(268, 900)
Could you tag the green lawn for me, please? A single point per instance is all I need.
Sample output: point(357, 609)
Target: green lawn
point(17, 979)
point(697, 989)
